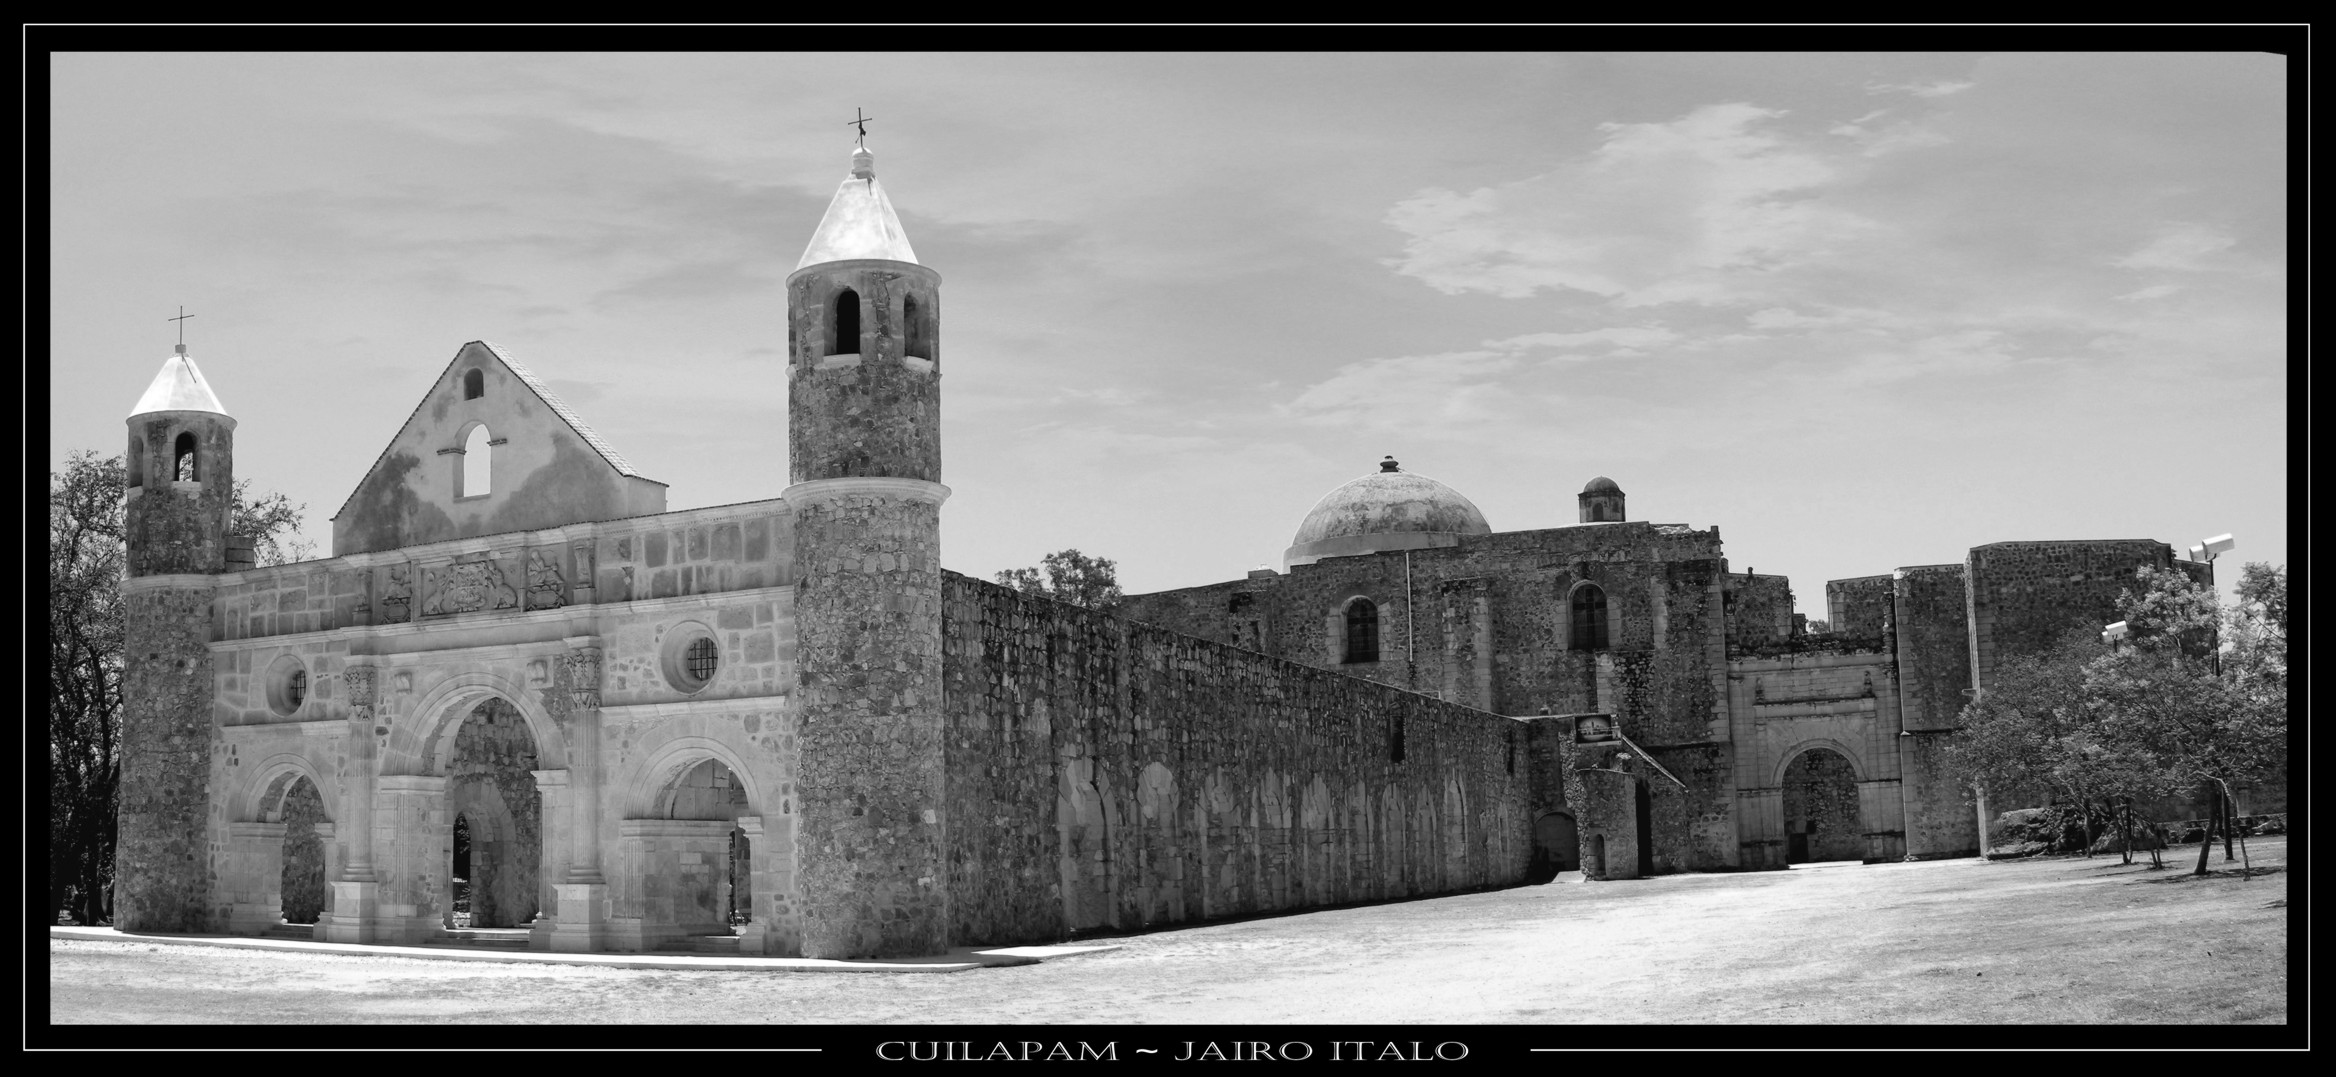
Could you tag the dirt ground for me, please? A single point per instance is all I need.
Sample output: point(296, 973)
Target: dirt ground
point(1958, 942)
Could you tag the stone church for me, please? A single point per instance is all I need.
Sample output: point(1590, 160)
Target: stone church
point(524, 704)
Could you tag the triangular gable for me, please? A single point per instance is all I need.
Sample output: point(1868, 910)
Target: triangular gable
point(472, 352)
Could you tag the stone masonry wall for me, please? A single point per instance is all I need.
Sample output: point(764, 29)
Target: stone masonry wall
point(870, 788)
point(1859, 607)
point(162, 867)
point(1759, 608)
point(1107, 775)
point(2025, 595)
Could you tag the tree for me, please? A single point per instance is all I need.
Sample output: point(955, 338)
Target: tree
point(1069, 576)
point(85, 662)
point(2039, 730)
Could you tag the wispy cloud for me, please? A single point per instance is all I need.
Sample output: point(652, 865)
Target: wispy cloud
point(2183, 246)
point(1932, 89)
point(1707, 208)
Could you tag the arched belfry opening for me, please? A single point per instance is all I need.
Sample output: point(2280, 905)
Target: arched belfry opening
point(490, 790)
point(916, 328)
point(843, 337)
point(477, 478)
point(1821, 809)
point(184, 460)
point(137, 476)
point(474, 384)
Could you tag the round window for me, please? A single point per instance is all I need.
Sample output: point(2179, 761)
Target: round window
point(692, 658)
point(287, 685)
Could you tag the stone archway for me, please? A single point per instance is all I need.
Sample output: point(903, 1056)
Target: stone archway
point(691, 862)
point(1556, 847)
point(489, 765)
point(279, 854)
point(1820, 794)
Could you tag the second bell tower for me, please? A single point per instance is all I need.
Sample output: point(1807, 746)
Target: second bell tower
point(864, 460)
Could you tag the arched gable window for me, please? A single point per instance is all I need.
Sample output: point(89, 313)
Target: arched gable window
point(478, 464)
point(474, 384)
point(1362, 631)
point(183, 459)
point(843, 336)
point(1589, 618)
point(920, 339)
point(137, 461)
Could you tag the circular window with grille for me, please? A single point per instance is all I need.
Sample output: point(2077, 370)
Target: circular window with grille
point(692, 658)
point(287, 685)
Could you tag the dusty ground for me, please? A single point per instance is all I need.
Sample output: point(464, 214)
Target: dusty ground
point(2015, 943)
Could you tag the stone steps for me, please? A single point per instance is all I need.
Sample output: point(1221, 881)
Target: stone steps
point(701, 944)
point(484, 938)
point(290, 931)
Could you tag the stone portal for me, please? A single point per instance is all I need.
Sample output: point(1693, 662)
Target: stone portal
point(1821, 809)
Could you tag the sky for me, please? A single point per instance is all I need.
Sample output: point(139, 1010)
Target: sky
point(1860, 311)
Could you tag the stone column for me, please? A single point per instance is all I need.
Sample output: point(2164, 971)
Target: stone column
point(355, 892)
point(253, 877)
point(411, 828)
point(332, 867)
point(583, 890)
point(557, 847)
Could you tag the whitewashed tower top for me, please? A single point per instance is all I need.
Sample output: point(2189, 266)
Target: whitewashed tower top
point(179, 387)
point(859, 222)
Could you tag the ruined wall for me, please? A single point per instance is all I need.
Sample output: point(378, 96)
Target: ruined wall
point(1933, 644)
point(548, 469)
point(1104, 774)
point(1759, 609)
point(1859, 607)
point(2025, 595)
point(1941, 822)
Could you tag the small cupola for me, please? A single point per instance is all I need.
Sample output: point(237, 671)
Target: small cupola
point(1601, 502)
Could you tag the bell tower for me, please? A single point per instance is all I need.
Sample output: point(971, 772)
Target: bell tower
point(864, 460)
point(180, 488)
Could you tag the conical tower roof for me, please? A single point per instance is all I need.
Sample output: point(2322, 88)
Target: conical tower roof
point(859, 222)
point(179, 387)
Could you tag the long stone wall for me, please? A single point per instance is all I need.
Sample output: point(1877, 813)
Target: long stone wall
point(1105, 774)
point(2026, 595)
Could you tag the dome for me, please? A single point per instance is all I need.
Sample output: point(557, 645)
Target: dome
point(1601, 485)
point(1389, 509)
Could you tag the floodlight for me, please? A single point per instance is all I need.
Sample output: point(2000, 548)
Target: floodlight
point(2198, 553)
point(2218, 545)
point(2112, 633)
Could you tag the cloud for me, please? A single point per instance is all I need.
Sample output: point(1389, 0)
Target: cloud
point(1934, 89)
point(1705, 208)
point(1447, 395)
point(2181, 246)
point(2154, 291)
point(1619, 341)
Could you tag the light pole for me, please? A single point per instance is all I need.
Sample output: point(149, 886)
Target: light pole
point(2228, 811)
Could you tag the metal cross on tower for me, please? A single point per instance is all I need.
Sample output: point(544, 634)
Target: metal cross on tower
point(182, 327)
point(862, 124)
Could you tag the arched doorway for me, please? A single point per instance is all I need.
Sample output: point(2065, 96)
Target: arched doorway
point(302, 881)
point(1556, 847)
point(711, 892)
point(1820, 808)
point(490, 787)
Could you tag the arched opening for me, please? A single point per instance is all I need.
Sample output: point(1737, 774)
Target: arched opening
point(706, 874)
point(1362, 631)
point(843, 336)
point(460, 875)
point(497, 817)
point(137, 476)
point(474, 384)
point(1557, 846)
point(1589, 618)
point(1395, 743)
point(919, 336)
point(184, 460)
point(1820, 809)
point(302, 884)
point(478, 460)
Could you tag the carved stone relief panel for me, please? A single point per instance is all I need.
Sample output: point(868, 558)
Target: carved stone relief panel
point(397, 594)
point(545, 589)
point(466, 587)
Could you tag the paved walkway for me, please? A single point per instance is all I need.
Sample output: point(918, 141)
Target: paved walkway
point(956, 960)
